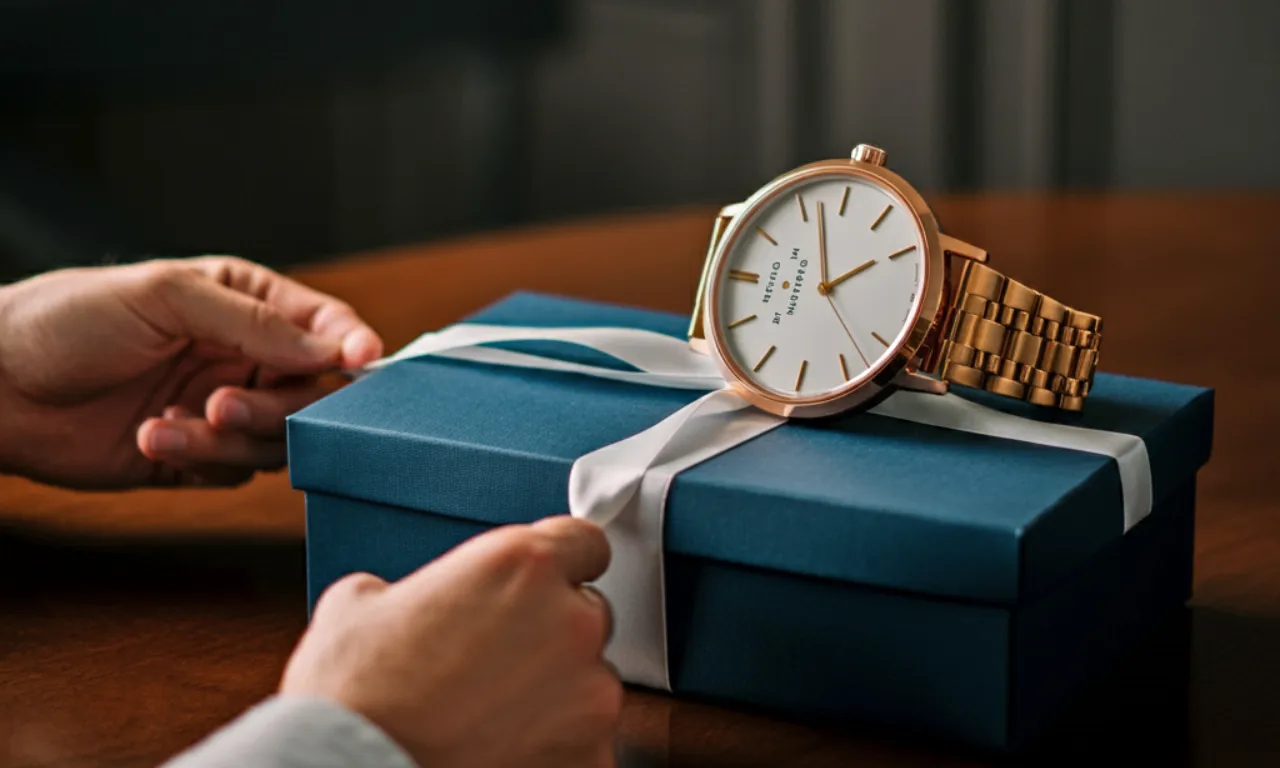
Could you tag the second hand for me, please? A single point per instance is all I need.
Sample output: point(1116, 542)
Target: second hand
point(823, 289)
point(847, 331)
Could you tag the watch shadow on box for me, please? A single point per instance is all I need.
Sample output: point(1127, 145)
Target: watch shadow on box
point(1137, 715)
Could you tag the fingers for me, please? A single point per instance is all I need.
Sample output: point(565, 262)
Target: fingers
point(179, 412)
point(258, 412)
point(186, 304)
point(600, 603)
point(360, 345)
point(305, 307)
point(353, 586)
point(579, 548)
point(193, 442)
point(177, 471)
point(242, 432)
point(569, 550)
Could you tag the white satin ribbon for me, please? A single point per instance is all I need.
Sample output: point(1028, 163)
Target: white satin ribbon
point(954, 412)
point(655, 354)
point(623, 487)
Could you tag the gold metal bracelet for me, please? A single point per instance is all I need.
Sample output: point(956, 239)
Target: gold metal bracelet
point(1014, 341)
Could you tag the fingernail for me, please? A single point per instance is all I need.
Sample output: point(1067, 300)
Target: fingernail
point(360, 347)
point(234, 413)
point(167, 439)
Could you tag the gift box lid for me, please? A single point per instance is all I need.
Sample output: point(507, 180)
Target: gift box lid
point(860, 497)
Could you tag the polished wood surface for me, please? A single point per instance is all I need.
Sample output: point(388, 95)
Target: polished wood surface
point(133, 624)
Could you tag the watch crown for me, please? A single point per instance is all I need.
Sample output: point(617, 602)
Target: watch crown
point(865, 153)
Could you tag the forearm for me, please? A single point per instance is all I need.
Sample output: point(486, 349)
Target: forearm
point(295, 732)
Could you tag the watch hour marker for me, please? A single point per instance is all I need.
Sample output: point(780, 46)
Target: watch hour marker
point(880, 218)
point(765, 235)
point(844, 369)
point(875, 335)
point(803, 213)
point(896, 254)
point(800, 377)
point(767, 352)
point(743, 321)
point(746, 277)
point(844, 199)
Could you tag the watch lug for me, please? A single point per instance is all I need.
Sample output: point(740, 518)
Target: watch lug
point(699, 345)
point(727, 214)
point(732, 211)
point(915, 381)
point(956, 247)
point(929, 351)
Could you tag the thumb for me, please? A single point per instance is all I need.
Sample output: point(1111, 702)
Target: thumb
point(202, 309)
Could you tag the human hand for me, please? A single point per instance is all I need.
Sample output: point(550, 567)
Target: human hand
point(491, 656)
point(169, 372)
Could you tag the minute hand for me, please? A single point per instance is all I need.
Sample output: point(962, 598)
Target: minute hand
point(822, 244)
point(826, 287)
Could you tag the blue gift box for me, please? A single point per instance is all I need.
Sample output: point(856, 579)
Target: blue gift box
point(860, 568)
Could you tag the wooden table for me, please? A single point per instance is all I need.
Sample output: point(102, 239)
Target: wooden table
point(133, 624)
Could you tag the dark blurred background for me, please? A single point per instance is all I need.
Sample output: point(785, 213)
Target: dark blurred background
point(295, 130)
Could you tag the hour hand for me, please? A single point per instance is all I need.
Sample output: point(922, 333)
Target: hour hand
point(825, 288)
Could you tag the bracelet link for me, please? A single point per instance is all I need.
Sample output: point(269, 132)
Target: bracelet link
point(1014, 341)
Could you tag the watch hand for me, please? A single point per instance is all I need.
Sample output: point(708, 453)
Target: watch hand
point(825, 288)
point(822, 244)
point(847, 331)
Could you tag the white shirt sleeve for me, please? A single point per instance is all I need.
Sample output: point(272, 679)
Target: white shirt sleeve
point(296, 732)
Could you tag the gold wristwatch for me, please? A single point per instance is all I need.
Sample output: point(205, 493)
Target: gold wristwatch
point(832, 286)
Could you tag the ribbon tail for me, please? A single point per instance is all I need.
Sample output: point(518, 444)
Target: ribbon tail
point(648, 351)
point(623, 487)
point(511, 359)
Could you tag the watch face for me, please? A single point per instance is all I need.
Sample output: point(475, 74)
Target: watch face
point(820, 286)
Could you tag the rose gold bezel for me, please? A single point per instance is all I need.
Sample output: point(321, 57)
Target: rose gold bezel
point(868, 385)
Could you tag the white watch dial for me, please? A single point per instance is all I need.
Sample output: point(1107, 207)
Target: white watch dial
point(799, 329)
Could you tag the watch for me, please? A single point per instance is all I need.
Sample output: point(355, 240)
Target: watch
point(832, 286)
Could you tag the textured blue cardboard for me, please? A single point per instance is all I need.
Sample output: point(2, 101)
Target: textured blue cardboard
point(858, 567)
